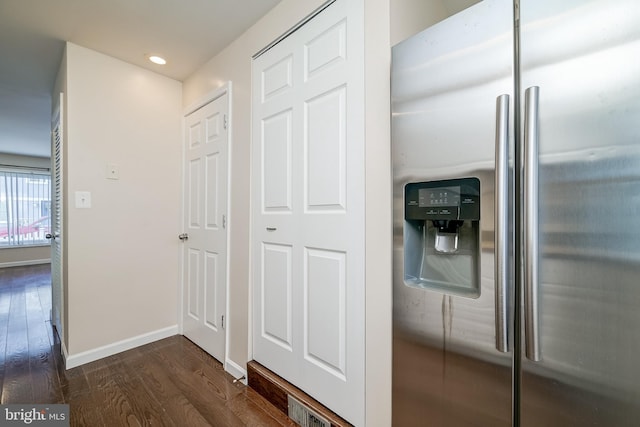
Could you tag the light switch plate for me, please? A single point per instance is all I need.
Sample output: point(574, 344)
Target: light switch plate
point(83, 199)
point(113, 172)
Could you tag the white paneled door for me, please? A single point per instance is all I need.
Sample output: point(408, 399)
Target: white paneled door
point(308, 209)
point(57, 290)
point(205, 226)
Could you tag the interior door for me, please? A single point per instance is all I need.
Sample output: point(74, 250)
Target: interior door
point(205, 216)
point(580, 61)
point(55, 234)
point(308, 209)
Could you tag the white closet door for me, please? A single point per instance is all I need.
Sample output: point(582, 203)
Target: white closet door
point(308, 209)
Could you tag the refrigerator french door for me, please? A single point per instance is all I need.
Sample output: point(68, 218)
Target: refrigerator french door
point(516, 161)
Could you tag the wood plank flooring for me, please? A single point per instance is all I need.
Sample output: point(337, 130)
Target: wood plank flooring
point(171, 382)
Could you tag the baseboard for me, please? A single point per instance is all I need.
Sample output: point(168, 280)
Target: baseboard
point(25, 263)
point(65, 354)
point(74, 360)
point(236, 371)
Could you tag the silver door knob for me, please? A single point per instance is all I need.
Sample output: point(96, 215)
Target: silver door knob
point(183, 236)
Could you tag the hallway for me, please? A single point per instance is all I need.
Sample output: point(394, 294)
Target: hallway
point(170, 382)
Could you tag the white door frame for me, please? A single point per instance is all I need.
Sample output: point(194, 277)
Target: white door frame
point(200, 102)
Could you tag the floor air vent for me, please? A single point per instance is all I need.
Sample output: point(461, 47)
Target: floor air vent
point(304, 416)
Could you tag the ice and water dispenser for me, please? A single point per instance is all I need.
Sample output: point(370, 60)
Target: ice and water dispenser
point(442, 236)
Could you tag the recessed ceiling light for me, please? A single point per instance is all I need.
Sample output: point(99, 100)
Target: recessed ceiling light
point(157, 60)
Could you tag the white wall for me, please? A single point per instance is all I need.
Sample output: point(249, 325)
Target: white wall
point(234, 64)
point(378, 211)
point(30, 255)
point(25, 161)
point(122, 254)
point(409, 17)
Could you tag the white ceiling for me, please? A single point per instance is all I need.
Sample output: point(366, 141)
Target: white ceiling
point(32, 33)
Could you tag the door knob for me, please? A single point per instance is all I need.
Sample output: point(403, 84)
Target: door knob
point(183, 236)
point(51, 236)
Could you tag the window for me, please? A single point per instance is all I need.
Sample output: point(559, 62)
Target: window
point(25, 208)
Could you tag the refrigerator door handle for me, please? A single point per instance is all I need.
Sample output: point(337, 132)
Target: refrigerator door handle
point(501, 217)
point(531, 137)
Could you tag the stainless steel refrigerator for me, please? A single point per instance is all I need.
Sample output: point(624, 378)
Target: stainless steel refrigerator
point(516, 160)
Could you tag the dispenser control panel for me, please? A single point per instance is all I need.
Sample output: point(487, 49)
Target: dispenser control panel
point(451, 199)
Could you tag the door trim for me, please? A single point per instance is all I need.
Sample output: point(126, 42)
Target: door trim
point(225, 89)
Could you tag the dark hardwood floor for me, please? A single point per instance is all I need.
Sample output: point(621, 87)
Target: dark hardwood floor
point(171, 382)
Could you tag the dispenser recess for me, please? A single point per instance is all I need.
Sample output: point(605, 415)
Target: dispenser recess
point(441, 236)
